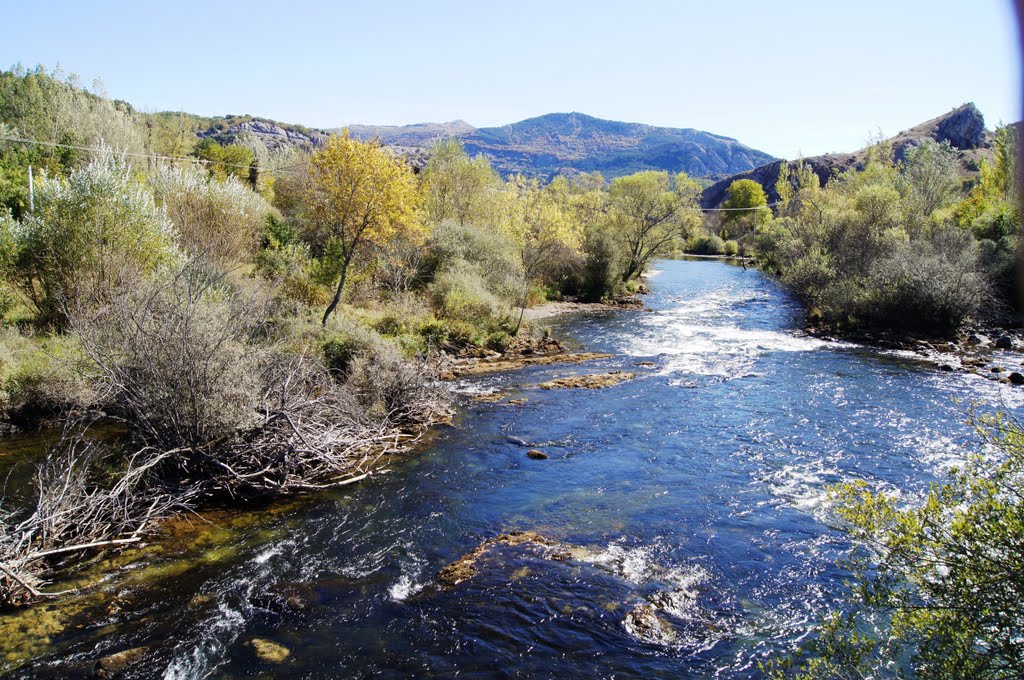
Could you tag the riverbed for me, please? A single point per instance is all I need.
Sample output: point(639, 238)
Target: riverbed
point(685, 512)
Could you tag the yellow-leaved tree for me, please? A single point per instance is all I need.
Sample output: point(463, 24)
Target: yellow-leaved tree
point(539, 221)
point(359, 194)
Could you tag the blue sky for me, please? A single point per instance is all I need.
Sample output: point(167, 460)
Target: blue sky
point(783, 77)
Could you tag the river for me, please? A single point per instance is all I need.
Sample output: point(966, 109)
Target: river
point(694, 492)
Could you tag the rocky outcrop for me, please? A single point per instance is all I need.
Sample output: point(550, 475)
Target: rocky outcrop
point(464, 568)
point(274, 135)
point(963, 128)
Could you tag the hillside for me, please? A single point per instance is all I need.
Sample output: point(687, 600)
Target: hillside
point(569, 143)
point(963, 128)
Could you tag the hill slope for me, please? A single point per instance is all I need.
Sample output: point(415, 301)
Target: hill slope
point(963, 128)
point(569, 143)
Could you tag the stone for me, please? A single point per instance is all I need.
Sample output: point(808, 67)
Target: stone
point(267, 651)
point(536, 454)
point(996, 369)
point(977, 339)
point(118, 665)
point(588, 382)
point(1004, 342)
point(1016, 378)
point(643, 623)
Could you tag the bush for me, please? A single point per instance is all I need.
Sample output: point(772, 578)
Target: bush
point(214, 219)
point(603, 263)
point(489, 254)
point(176, 359)
point(42, 378)
point(708, 245)
point(462, 294)
point(731, 248)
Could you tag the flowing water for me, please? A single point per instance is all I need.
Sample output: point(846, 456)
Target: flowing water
point(692, 499)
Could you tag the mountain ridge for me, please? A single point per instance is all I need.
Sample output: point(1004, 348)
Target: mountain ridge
point(963, 127)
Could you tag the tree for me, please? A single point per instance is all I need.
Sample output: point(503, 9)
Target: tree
point(945, 575)
point(746, 198)
point(457, 187)
point(89, 235)
point(215, 219)
point(358, 194)
point(537, 219)
point(644, 210)
point(931, 174)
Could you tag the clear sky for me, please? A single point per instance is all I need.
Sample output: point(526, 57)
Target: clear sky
point(784, 77)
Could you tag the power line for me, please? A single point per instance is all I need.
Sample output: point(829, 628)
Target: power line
point(58, 145)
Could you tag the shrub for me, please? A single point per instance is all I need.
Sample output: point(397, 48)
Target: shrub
point(215, 219)
point(708, 245)
point(490, 254)
point(42, 378)
point(462, 294)
point(175, 358)
point(499, 342)
point(731, 248)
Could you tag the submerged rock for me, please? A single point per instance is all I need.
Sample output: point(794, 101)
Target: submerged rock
point(464, 568)
point(267, 651)
point(470, 368)
point(589, 382)
point(117, 665)
point(643, 623)
point(537, 454)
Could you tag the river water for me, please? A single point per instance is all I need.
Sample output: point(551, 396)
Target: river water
point(693, 494)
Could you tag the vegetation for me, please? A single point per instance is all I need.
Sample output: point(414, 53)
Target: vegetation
point(898, 245)
point(178, 298)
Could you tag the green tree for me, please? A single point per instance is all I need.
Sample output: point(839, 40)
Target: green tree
point(646, 211)
point(746, 198)
point(359, 193)
point(538, 220)
point(90, 235)
point(457, 187)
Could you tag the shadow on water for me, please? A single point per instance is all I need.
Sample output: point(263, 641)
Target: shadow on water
point(687, 505)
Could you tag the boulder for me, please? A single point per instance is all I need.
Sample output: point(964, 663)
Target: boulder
point(537, 454)
point(1004, 342)
point(1016, 378)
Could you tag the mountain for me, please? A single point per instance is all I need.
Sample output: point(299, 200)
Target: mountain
point(417, 135)
point(963, 128)
point(570, 143)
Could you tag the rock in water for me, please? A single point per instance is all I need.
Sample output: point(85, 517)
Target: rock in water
point(643, 623)
point(268, 651)
point(537, 454)
point(1016, 378)
point(118, 665)
point(1004, 342)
